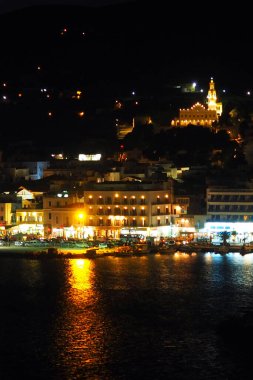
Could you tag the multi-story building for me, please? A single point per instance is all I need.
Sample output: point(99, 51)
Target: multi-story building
point(229, 205)
point(230, 209)
point(28, 217)
point(139, 209)
point(64, 215)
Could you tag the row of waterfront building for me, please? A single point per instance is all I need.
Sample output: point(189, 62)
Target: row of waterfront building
point(114, 209)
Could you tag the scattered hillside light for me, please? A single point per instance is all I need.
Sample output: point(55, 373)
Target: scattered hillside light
point(58, 156)
point(64, 31)
point(118, 104)
point(78, 94)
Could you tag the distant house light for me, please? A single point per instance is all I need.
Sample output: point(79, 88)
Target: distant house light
point(64, 194)
point(58, 156)
point(89, 157)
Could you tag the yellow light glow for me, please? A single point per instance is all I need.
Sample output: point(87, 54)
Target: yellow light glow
point(81, 274)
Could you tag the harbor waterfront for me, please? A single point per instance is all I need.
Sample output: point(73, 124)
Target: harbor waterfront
point(154, 317)
point(122, 250)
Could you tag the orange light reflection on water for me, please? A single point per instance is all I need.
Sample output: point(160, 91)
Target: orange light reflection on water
point(83, 324)
point(81, 274)
point(180, 255)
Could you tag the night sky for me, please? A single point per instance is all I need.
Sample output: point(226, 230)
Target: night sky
point(9, 5)
point(169, 43)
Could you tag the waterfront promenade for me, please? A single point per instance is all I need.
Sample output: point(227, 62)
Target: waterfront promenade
point(120, 251)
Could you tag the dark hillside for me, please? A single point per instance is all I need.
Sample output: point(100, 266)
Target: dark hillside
point(106, 52)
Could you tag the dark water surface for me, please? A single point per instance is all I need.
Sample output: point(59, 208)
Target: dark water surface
point(151, 317)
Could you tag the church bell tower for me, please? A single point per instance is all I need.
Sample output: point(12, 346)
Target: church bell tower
point(212, 99)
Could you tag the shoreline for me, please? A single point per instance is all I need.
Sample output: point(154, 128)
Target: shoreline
point(52, 252)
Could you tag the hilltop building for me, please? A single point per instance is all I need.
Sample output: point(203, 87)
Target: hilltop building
point(199, 114)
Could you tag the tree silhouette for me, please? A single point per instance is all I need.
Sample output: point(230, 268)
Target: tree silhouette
point(224, 236)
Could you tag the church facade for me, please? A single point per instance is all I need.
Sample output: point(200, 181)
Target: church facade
point(199, 114)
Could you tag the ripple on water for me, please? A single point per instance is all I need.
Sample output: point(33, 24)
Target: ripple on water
point(152, 318)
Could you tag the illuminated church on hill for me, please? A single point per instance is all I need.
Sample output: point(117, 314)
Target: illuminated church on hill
point(198, 114)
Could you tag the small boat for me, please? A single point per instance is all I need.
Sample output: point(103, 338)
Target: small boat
point(90, 252)
point(141, 248)
point(246, 249)
point(167, 250)
point(123, 251)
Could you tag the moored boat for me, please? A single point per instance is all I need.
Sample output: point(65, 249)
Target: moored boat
point(246, 249)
